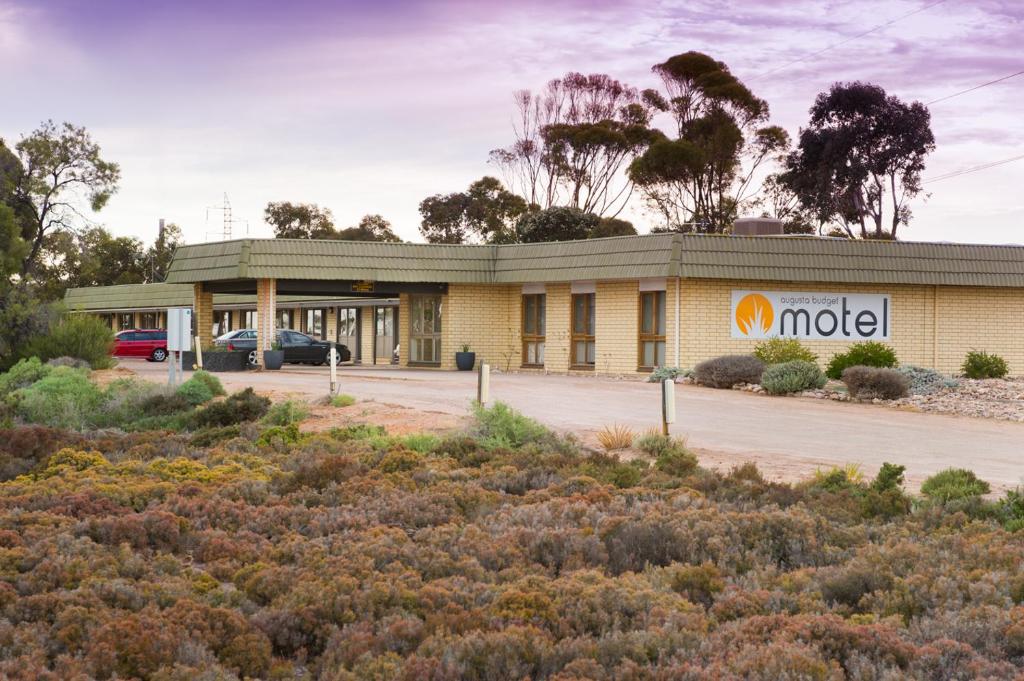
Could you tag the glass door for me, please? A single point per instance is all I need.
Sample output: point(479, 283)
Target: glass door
point(425, 330)
point(384, 335)
point(348, 332)
point(584, 353)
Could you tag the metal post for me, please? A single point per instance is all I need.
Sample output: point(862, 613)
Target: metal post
point(483, 384)
point(199, 354)
point(172, 364)
point(334, 369)
point(668, 404)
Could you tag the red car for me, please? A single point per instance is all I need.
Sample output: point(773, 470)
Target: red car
point(148, 343)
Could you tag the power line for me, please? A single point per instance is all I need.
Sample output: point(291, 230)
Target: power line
point(976, 87)
point(974, 169)
point(847, 40)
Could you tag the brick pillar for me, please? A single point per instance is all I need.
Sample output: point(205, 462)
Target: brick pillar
point(266, 316)
point(367, 329)
point(202, 312)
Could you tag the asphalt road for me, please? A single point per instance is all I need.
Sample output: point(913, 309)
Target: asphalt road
point(787, 437)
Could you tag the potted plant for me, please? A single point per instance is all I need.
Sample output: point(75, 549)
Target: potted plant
point(274, 357)
point(465, 359)
point(216, 358)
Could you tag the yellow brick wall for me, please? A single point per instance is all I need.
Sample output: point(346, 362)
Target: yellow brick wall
point(202, 310)
point(366, 339)
point(707, 306)
point(556, 331)
point(485, 317)
point(986, 319)
point(403, 329)
point(615, 328)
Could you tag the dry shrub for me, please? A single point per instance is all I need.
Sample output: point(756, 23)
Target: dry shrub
point(727, 371)
point(869, 383)
point(616, 437)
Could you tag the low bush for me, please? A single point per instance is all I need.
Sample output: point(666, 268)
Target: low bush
point(669, 453)
point(727, 371)
point(867, 354)
point(979, 364)
point(868, 383)
point(73, 362)
point(661, 374)
point(64, 398)
point(502, 426)
point(286, 413)
point(616, 437)
point(341, 401)
point(211, 381)
point(238, 407)
point(954, 484)
point(791, 377)
point(195, 391)
point(23, 374)
point(162, 404)
point(890, 476)
point(925, 381)
point(782, 350)
point(81, 336)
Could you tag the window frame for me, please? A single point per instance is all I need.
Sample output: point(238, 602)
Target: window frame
point(539, 337)
point(587, 337)
point(659, 314)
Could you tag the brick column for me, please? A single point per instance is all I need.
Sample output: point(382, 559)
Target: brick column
point(367, 330)
point(202, 312)
point(266, 316)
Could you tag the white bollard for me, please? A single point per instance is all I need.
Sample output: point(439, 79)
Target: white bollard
point(483, 385)
point(668, 404)
point(334, 370)
point(199, 354)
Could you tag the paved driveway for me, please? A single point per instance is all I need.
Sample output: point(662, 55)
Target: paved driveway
point(787, 437)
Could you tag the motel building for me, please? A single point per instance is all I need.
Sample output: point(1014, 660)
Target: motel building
point(620, 305)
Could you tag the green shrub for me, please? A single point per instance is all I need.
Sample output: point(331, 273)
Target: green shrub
point(502, 426)
point(661, 374)
point(211, 381)
point(954, 484)
point(698, 583)
point(195, 391)
point(792, 377)
point(342, 401)
point(782, 350)
point(23, 374)
point(72, 362)
point(1011, 510)
point(669, 453)
point(867, 354)
point(208, 437)
point(286, 413)
point(727, 371)
point(285, 434)
point(65, 398)
point(979, 364)
point(162, 404)
point(890, 476)
point(239, 407)
point(624, 475)
point(925, 381)
point(79, 335)
point(868, 383)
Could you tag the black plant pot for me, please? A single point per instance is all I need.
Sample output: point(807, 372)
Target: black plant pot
point(217, 361)
point(464, 361)
point(273, 359)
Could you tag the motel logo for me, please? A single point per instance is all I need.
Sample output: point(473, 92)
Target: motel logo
point(813, 316)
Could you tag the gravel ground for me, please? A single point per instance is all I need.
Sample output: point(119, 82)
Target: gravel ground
point(987, 398)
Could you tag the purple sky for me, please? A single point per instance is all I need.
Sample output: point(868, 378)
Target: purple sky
point(370, 107)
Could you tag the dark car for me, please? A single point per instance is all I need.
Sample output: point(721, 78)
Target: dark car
point(148, 343)
point(298, 347)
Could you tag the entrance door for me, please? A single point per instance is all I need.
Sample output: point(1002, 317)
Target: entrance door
point(348, 332)
point(384, 335)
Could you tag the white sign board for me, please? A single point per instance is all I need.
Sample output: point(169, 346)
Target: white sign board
point(179, 329)
point(814, 316)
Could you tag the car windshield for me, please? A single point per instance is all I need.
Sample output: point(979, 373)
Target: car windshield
point(229, 334)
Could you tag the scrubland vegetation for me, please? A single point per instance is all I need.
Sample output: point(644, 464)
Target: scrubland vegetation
point(223, 543)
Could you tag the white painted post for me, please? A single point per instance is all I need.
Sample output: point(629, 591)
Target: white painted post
point(668, 404)
point(483, 384)
point(334, 369)
point(199, 354)
point(172, 365)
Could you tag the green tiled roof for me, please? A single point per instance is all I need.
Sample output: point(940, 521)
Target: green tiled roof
point(653, 255)
point(162, 296)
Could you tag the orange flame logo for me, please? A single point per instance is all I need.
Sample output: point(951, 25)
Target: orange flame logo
point(754, 314)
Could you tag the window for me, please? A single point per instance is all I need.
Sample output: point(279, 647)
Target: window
point(533, 329)
point(126, 320)
point(315, 323)
point(652, 329)
point(284, 319)
point(584, 350)
point(225, 323)
point(298, 338)
point(149, 320)
point(425, 330)
point(108, 319)
point(251, 319)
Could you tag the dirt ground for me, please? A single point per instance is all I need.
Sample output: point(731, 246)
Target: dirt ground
point(787, 437)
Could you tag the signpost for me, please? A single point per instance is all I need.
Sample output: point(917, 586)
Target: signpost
point(668, 404)
point(179, 340)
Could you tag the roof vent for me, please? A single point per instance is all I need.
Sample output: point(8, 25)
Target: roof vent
point(757, 227)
